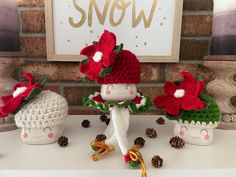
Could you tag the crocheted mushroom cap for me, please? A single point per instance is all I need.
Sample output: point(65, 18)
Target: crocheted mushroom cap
point(48, 109)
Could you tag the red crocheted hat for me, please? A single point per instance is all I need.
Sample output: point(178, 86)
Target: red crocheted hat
point(109, 64)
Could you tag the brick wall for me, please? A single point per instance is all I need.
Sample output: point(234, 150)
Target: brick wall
point(65, 78)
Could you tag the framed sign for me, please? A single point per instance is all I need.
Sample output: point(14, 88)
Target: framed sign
point(149, 28)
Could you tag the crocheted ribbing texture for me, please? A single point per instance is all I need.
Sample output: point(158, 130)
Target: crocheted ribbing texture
point(47, 110)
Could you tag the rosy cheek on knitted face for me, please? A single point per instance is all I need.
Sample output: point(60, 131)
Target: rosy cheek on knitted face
point(108, 92)
point(207, 137)
point(182, 133)
point(50, 135)
point(131, 92)
point(25, 135)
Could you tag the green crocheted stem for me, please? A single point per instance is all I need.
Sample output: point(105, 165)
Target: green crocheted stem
point(210, 114)
point(132, 164)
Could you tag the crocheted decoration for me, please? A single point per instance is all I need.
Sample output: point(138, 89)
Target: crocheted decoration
point(208, 117)
point(181, 97)
point(85, 123)
point(126, 69)
point(189, 111)
point(23, 93)
point(62, 141)
point(103, 117)
point(160, 121)
point(101, 137)
point(139, 104)
point(139, 142)
point(101, 56)
point(151, 133)
point(157, 161)
point(47, 110)
point(177, 142)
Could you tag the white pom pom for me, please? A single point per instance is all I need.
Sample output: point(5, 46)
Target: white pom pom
point(18, 91)
point(98, 56)
point(179, 93)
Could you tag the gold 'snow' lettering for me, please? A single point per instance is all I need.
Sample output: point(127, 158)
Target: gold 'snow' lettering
point(120, 5)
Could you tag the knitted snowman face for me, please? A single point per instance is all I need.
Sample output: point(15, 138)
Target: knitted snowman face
point(41, 135)
point(194, 134)
point(118, 92)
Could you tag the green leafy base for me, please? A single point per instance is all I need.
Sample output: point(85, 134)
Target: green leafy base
point(104, 107)
point(211, 114)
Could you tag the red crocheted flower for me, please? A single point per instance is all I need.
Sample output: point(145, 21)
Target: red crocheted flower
point(181, 97)
point(100, 56)
point(21, 91)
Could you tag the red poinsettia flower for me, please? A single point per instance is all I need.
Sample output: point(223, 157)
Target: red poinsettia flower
point(100, 55)
point(21, 90)
point(182, 97)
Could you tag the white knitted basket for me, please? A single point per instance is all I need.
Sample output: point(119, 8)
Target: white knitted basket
point(47, 110)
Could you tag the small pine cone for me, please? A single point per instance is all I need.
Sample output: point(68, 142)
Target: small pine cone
point(151, 133)
point(62, 141)
point(139, 141)
point(108, 121)
point(177, 142)
point(160, 121)
point(85, 123)
point(103, 117)
point(100, 137)
point(157, 161)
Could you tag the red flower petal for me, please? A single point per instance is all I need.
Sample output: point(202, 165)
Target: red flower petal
point(188, 83)
point(109, 60)
point(21, 84)
point(173, 106)
point(94, 70)
point(11, 106)
point(190, 102)
point(137, 100)
point(6, 99)
point(170, 88)
point(160, 101)
point(85, 68)
point(29, 77)
point(107, 42)
point(89, 51)
point(199, 87)
point(99, 99)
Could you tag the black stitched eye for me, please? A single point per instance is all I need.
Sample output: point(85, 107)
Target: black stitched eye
point(184, 127)
point(47, 129)
point(128, 86)
point(204, 130)
point(110, 87)
point(27, 130)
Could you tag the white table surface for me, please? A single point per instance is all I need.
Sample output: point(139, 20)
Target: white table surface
point(20, 160)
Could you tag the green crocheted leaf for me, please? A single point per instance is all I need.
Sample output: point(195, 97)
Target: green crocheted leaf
point(87, 80)
point(209, 114)
point(131, 164)
point(43, 82)
point(105, 71)
point(95, 42)
point(85, 61)
point(119, 48)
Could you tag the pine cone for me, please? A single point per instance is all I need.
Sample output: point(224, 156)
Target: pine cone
point(139, 141)
point(100, 137)
point(160, 121)
point(177, 142)
point(151, 133)
point(108, 121)
point(85, 123)
point(103, 117)
point(62, 141)
point(157, 161)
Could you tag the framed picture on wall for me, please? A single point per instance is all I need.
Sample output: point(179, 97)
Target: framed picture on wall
point(149, 28)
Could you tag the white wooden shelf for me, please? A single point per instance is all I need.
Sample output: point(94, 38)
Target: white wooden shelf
point(20, 160)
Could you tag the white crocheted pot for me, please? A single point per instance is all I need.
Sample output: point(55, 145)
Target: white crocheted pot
point(201, 135)
point(42, 120)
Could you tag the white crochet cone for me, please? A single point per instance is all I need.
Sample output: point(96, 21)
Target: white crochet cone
point(42, 120)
